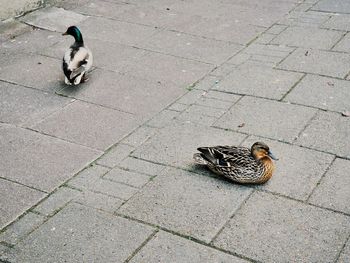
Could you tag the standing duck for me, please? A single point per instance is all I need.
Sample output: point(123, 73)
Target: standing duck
point(239, 164)
point(77, 60)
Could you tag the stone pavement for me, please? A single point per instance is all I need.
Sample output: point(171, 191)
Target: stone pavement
point(103, 172)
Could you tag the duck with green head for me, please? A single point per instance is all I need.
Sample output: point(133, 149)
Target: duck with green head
point(77, 60)
point(239, 164)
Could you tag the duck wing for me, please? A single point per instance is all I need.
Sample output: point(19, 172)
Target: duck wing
point(76, 61)
point(226, 155)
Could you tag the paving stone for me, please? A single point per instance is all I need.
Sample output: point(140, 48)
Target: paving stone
point(38, 72)
point(206, 83)
point(3, 249)
point(192, 47)
point(21, 228)
point(336, 6)
point(206, 111)
point(38, 160)
point(192, 117)
point(191, 97)
point(141, 166)
point(327, 63)
point(113, 189)
point(259, 81)
point(168, 69)
point(139, 136)
point(267, 118)
point(333, 191)
point(178, 107)
point(165, 247)
point(305, 19)
point(126, 93)
point(11, 29)
point(53, 19)
point(339, 22)
point(223, 70)
point(116, 31)
point(276, 29)
point(328, 125)
point(265, 38)
point(214, 103)
point(99, 201)
point(56, 201)
point(322, 92)
point(175, 145)
point(269, 227)
point(268, 50)
point(107, 9)
point(73, 123)
point(343, 45)
point(88, 176)
point(71, 4)
point(221, 96)
point(238, 59)
point(345, 255)
point(298, 170)
point(80, 234)
point(115, 155)
point(127, 177)
point(308, 37)
point(23, 106)
point(187, 203)
point(162, 119)
point(11, 207)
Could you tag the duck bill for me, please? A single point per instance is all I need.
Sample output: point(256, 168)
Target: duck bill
point(64, 34)
point(272, 156)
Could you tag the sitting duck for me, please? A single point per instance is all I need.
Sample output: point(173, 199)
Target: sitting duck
point(77, 60)
point(239, 164)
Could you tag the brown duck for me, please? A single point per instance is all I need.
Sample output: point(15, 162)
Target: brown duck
point(239, 164)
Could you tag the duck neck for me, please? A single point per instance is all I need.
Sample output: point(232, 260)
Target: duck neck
point(268, 165)
point(78, 38)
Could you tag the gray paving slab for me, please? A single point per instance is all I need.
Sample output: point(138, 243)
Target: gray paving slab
point(307, 234)
point(192, 117)
point(114, 189)
point(178, 107)
point(162, 119)
point(116, 31)
point(191, 97)
point(139, 136)
point(268, 50)
point(190, 204)
point(80, 234)
point(29, 105)
point(336, 6)
point(298, 170)
point(192, 47)
point(258, 81)
point(339, 22)
point(99, 201)
point(107, 9)
point(206, 83)
point(127, 177)
point(88, 176)
point(38, 160)
point(21, 228)
point(328, 132)
point(56, 201)
point(322, 92)
point(345, 255)
point(169, 69)
point(115, 155)
point(141, 166)
point(343, 45)
point(321, 62)
point(266, 118)
point(53, 19)
point(11, 207)
point(333, 192)
point(73, 123)
point(164, 247)
point(175, 145)
point(214, 103)
point(126, 93)
point(308, 37)
point(38, 72)
point(305, 19)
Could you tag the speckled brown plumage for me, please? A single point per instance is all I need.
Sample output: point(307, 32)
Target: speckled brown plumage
point(238, 164)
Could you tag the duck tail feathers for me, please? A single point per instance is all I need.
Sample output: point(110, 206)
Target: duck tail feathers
point(198, 159)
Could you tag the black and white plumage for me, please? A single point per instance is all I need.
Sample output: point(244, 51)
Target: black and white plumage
point(77, 60)
point(238, 164)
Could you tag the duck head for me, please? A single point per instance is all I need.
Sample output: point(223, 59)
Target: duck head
point(260, 150)
point(75, 32)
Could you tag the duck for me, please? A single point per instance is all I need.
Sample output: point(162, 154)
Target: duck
point(77, 60)
point(237, 163)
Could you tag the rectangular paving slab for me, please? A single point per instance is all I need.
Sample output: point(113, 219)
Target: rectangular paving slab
point(336, 6)
point(81, 234)
point(191, 204)
point(333, 191)
point(88, 124)
point(12, 207)
point(164, 247)
point(268, 227)
point(338, 21)
point(298, 170)
point(258, 81)
point(175, 145)
point(266, 118)
point(38, 160)
point(328, 132)
point(322, 92)
point(321, 62)
point(343, 45)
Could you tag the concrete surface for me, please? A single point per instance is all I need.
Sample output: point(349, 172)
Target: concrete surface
point(103, 172)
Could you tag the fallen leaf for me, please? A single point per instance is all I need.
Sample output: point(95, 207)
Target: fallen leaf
point(241, 125)
point(345, 113)
point(306, 53)
point(330, 84)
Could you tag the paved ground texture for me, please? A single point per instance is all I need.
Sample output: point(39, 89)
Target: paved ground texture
point(103, 172)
